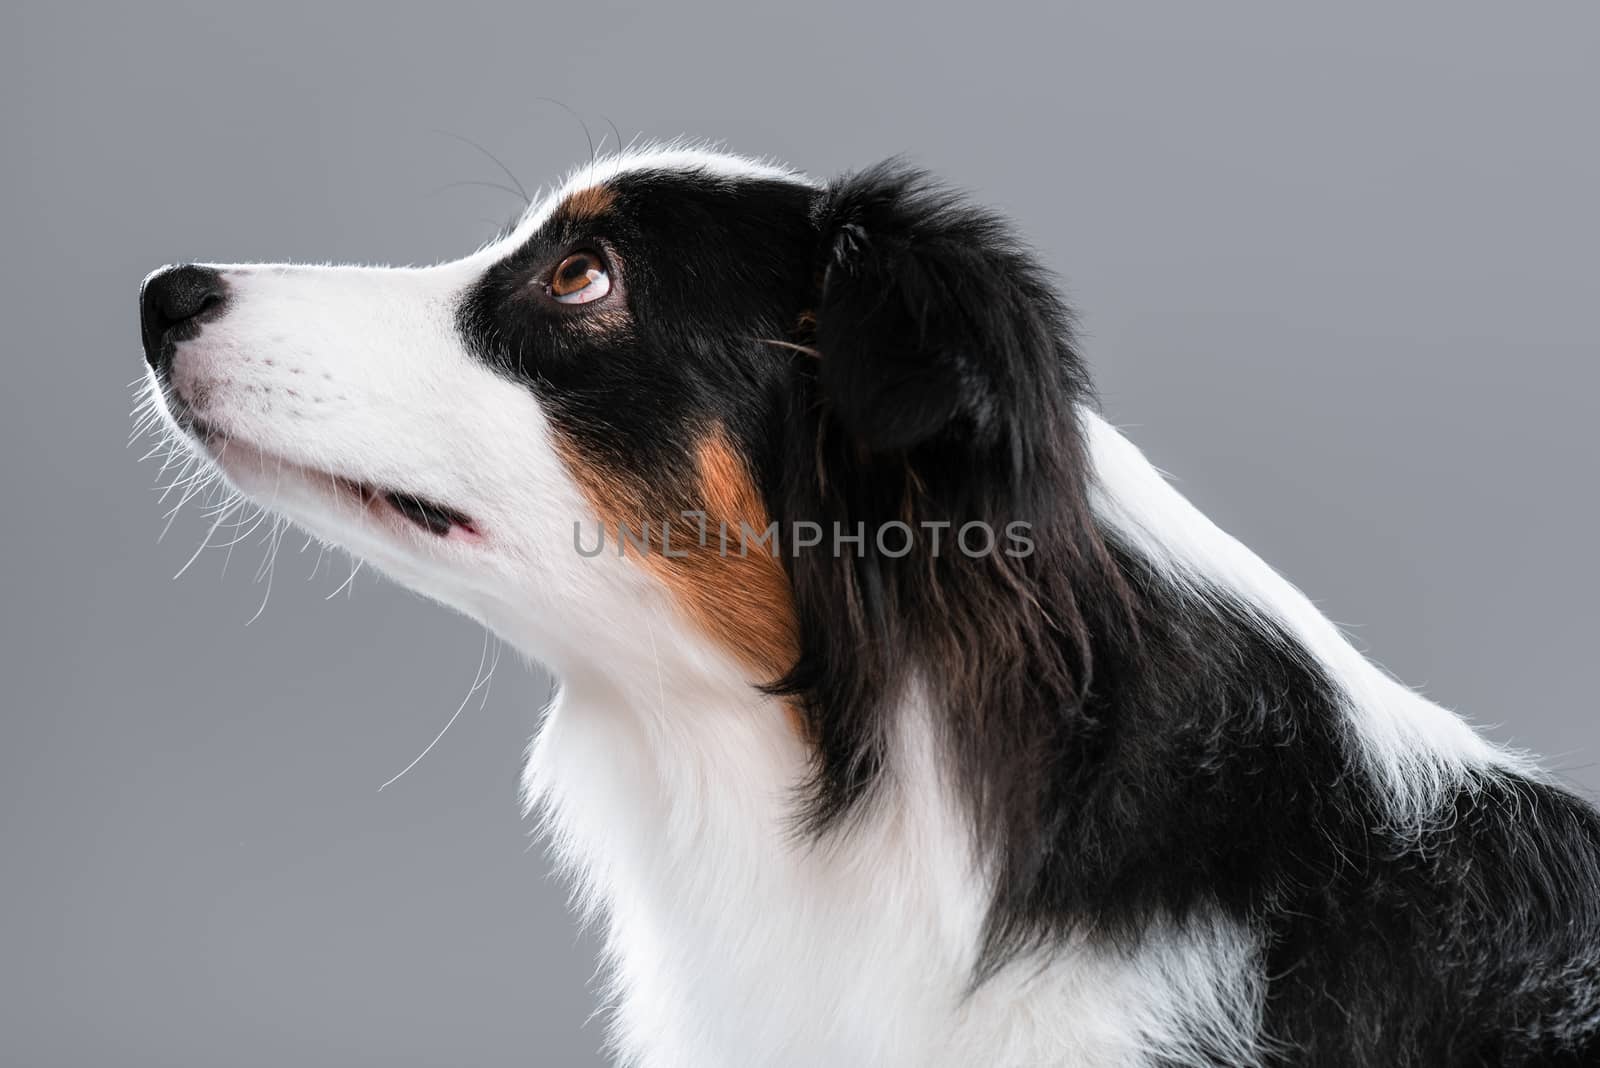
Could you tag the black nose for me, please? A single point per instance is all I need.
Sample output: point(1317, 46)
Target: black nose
point(173, 303)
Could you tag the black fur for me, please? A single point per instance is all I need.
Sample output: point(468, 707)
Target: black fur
point(1132, 754)
point(711, 272)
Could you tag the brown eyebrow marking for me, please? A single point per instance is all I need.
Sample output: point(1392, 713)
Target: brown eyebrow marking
point(743, 602)
point(589, 203)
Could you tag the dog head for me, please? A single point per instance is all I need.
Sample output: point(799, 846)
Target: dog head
point(690, 348)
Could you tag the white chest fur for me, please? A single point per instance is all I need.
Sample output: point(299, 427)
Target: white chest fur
point(733, 940)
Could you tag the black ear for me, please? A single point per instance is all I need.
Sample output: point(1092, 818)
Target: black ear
point(933, 320)
point(938, 391)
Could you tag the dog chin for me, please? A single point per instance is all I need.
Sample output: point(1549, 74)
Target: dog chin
point(395, 529)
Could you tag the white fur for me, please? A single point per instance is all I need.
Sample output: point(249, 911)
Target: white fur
point(663, 779)
point(1417, 749)
point(731, 942)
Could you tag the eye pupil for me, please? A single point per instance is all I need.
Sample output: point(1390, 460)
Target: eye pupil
point(580, 278)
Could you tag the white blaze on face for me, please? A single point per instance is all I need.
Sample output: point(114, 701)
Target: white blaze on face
point(320, 380)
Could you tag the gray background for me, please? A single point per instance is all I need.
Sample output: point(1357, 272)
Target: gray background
point(1337, 272)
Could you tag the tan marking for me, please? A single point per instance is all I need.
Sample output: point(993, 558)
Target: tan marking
point(589, 203)
point(742, 603)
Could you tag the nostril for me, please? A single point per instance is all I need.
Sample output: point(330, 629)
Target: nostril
point(173, 303)
point(207, 302)
point(179, 294)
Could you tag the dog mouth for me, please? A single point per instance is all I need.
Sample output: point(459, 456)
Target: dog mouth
point(425, 514)
point(429, 515)
point(439, 520)
point(436, 519)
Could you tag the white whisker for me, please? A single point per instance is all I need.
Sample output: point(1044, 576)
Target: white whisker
point(199, 485)
point(203, 543)
point(269, 567)
point(355, 569)
point(255, 521)
point(479, 679)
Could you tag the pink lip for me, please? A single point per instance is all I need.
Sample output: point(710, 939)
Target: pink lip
point(436, 520)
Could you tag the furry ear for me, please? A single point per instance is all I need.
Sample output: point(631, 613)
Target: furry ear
point(938, 395)
point(933, 321)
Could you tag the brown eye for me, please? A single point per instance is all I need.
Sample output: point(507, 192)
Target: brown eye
point(580, 278)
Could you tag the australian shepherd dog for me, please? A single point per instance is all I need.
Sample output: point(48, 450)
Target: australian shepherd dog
point(907, 716)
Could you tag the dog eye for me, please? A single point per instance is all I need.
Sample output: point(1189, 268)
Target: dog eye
point(580, 278)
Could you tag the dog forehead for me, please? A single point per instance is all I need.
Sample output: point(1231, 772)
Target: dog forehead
point(585, 189)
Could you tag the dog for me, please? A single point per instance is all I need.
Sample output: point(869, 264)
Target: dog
point(906, 714)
